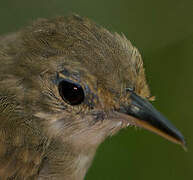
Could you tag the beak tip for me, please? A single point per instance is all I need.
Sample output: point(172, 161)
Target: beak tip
point(181, 141)
point(184, 145)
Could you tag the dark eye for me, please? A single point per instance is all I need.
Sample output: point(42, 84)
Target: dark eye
point(70, 92)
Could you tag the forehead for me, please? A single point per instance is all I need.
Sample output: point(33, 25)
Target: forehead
point(84, 47)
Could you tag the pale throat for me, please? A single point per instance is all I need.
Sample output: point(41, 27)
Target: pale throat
point(81, 142)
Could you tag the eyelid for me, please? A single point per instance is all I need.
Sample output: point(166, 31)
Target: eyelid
point(60, 77)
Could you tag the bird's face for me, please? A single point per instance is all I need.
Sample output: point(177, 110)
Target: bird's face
point(65, 85)
point(86, 83)
point(85, 95)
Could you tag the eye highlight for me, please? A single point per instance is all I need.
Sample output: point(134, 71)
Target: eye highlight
point(72, 93)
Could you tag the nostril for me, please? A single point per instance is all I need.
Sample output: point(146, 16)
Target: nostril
point(130, 89)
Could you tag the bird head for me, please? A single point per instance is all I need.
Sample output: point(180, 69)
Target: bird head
point(78, 83)
point(85, 83)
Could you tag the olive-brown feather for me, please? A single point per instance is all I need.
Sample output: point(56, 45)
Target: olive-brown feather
point(41, 136)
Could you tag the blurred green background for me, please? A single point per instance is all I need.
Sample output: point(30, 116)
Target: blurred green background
point(163, 32)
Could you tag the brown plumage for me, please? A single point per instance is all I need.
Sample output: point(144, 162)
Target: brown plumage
point(42, 134)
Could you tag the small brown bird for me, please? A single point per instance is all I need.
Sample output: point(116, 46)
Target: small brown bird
point(65, 85)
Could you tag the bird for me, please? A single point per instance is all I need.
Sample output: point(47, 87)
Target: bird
point(66, 84)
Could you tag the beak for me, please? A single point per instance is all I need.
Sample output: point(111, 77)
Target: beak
point(146, 116)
